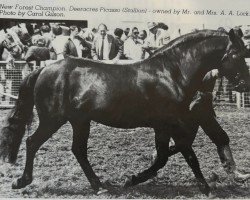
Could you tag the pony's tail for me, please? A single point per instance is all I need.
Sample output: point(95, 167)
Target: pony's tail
point(21, 115)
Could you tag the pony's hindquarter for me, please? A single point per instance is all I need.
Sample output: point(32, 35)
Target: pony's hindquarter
point(14, 128)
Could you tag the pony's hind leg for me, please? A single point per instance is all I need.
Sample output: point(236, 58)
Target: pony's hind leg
point(79, 148)
point(193, 162)
point(162, 147)
point(44, 131)
point(183, 136)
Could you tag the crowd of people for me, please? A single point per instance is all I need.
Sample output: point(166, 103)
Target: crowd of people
point(56, 41)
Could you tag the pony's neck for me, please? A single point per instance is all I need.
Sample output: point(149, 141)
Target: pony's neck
point(202, 57)
point(189, 62)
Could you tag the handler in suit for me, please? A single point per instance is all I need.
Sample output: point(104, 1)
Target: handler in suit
point(75, 44)
point(104, 46)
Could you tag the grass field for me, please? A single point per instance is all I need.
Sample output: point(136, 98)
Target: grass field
point(115, 153)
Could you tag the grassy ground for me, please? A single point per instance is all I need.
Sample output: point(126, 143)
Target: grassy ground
point(115, 153)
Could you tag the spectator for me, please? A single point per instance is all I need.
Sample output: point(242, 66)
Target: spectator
point(26, 39)
point(58, 42)
point(125, 35)
point(37, 53)
point(94, 32)
point(118, 34)
point(158, 36)
point(65, 30)
point(142, 36)
point(40, 42)
point(88, 34)
point(104, 46)
point(74, 45)
point(86, 50)
point(45, 32)
point(132, 46)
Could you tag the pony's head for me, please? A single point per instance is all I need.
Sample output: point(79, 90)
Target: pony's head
point(233, 66)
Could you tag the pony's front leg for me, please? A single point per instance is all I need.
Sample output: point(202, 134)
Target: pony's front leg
point(162, 148)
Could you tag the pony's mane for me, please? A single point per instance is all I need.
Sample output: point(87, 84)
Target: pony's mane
point(196, 35)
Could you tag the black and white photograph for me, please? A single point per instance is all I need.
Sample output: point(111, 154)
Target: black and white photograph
point(113, 104)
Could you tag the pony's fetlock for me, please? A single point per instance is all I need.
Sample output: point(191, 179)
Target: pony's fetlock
point(129, 182)
point(102, 191)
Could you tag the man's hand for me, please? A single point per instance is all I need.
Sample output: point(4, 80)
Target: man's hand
point(215, 73)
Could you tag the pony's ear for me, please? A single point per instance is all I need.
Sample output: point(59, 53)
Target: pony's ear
point(231, 35)
point(240, 33)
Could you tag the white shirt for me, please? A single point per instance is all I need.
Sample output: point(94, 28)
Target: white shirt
point(78, 46)
point(105, 48)
point(133, 51)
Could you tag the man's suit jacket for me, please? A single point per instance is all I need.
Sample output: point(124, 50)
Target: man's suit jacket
point(115, 50)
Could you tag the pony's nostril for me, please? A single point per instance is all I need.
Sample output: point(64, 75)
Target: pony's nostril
point(242, 82)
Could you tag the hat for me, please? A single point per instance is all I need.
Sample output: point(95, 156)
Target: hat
point(118, 32)
point(151, 25)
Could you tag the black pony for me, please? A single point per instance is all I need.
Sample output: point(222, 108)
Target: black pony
point(153, 93)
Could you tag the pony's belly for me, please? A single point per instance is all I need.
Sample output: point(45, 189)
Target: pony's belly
point(134, 118)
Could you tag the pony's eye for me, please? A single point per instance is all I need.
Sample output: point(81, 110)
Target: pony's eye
point(234, 56)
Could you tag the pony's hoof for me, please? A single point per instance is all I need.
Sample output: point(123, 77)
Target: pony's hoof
point(241, 177)
point(128, 182)
point(205, 189)
point(211, 195)
point(20, 183)
point(212, 184)
point(102, 191)
point(213, 177)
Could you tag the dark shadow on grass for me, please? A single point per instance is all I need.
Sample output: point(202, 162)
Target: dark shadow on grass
point(70, 191)
point(232, 191)
point(160, 191)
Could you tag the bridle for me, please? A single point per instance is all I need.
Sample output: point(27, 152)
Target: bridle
point(232, 55)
